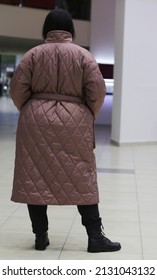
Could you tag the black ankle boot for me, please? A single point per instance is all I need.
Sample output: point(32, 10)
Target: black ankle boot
point(97, 242)
point(41, 241)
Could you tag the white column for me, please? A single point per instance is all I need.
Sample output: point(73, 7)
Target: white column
point(134, 111)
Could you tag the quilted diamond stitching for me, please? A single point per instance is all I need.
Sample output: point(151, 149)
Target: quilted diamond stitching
point(61, 164)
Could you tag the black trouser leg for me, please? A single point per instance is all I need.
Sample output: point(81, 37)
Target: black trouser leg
point(90, 215)
point(38, 216)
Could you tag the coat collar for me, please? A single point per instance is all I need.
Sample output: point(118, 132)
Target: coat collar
point(58, 36)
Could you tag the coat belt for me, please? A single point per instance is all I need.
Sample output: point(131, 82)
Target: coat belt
point(57, 97)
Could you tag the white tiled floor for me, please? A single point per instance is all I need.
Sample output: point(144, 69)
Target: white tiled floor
point(127, 177)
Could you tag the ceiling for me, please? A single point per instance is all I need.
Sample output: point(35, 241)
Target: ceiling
point(46, 4)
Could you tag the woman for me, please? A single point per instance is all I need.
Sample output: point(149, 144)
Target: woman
point(58, 90)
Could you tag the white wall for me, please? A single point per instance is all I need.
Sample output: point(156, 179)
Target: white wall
point(135, 85)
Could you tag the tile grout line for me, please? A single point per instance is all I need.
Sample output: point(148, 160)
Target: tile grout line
point(67, 235)
point(116, 171)
point(137, 197)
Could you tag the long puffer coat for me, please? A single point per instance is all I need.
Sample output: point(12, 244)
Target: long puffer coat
point(55, 162)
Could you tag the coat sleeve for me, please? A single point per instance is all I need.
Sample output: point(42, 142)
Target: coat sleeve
point(20, 85)
point(94, 85)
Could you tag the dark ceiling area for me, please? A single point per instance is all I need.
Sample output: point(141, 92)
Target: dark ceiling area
point(78, 9)
point(45, 4)
point(15, 45)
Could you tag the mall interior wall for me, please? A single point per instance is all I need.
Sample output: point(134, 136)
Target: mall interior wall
point(27, 23)
point(102, 30)
point(124, 32)
point(102, 41)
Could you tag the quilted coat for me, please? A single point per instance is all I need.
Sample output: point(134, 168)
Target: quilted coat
point(55, 161)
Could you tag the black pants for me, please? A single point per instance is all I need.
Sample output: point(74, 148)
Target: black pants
point(38, 215)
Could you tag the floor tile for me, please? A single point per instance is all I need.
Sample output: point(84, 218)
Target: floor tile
point(149, 229)
point(127, 179)
point(149, 246)
point(76, 246)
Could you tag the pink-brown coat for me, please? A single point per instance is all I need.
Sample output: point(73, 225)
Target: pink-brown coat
point(55, 162)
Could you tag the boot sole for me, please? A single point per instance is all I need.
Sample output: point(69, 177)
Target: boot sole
point(42, 247)
point(100, 250)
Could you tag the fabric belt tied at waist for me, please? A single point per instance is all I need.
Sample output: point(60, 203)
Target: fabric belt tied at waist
point(57, 97)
